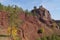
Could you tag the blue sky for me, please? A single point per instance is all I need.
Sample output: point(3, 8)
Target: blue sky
point(52, 5)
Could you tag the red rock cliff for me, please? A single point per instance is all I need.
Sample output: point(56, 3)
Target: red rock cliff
point(30, 28)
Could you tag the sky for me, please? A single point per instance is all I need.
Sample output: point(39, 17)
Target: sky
point(52, 5)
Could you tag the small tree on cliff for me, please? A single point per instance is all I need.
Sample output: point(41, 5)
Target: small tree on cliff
point(35, 7)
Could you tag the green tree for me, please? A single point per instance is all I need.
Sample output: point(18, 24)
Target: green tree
point(13, 23)
point(18, 9)
point(9, 9)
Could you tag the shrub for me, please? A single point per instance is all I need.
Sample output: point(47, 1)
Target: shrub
point(41, 30)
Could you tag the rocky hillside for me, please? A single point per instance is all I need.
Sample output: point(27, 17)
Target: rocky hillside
point(26, 25)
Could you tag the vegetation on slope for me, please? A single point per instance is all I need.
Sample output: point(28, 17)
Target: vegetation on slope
point(52, 37)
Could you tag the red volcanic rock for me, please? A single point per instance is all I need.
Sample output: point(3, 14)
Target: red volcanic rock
point(3, 19)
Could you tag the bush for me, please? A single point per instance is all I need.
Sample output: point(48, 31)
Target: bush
point(40, 30)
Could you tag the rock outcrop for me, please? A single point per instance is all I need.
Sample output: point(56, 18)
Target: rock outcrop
point(40, 19)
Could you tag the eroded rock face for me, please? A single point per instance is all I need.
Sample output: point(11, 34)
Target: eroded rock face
point(31, 26)
point(4, 26)
point(3, 19)
point(43, 15)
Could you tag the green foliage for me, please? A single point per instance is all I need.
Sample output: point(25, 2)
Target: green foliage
point(40, 30)
point(13, 9)
point(35, 7)
point(38, 39)
point(10, 9)
point(44, 38)
point(1, 6)
point(57, 38)
point(52, 37)
point(18, 9)
point(14, 20)
point(17, 38)
point(48, 38)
